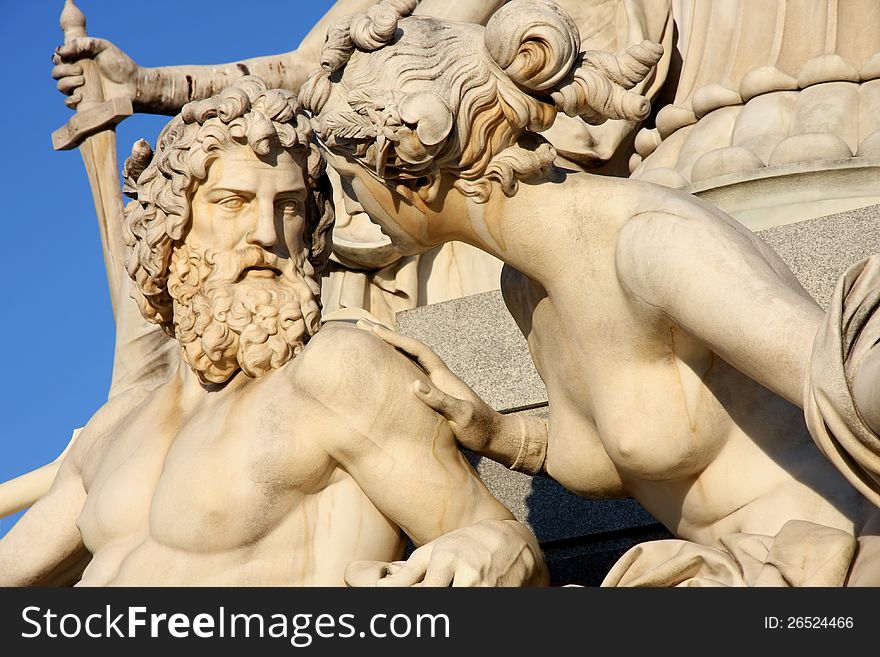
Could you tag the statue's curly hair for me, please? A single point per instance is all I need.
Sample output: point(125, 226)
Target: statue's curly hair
point(413, 97)
point(161, 183)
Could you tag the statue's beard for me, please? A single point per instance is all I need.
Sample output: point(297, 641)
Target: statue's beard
point(226, 320)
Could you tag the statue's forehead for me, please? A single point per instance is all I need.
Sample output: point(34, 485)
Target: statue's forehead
point(239, 166)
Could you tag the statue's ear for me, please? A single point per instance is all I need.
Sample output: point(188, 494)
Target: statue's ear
point(429, 188)
point(430, 115)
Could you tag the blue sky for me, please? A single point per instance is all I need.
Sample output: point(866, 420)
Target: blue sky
point(57, 326)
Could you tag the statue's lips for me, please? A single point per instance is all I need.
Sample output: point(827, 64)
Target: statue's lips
point(262, 271)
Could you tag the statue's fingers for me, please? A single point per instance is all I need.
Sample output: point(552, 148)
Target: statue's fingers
point(80, 47)
point(452, 408)
point(417, 349)
point(73, 100)
point(395, 566)
point(466, 576)
point(410, 572)
point(440, 571)
point(365, 573)
point(67, 85)
point(65, 71)
point(365, 324)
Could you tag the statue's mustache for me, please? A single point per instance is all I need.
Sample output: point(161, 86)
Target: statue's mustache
point(230, 266)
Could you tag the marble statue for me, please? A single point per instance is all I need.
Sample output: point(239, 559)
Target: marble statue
point(674, 343)
point(279, 450)
point(365, 275)
point(766, 109)
point(365, 272)
point(653, 317)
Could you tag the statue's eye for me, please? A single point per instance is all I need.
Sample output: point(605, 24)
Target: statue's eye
point(232, 203)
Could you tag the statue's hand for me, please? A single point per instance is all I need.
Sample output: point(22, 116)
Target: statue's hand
point(364, 574)
point(118, 71)
point(487, 553)
point(473, 421)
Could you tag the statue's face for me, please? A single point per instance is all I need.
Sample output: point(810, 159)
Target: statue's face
point(242, 298)
point(250, 201)
point(406, 225)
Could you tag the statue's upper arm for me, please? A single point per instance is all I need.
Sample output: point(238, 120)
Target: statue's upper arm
point(716, 280)
point(400, 452)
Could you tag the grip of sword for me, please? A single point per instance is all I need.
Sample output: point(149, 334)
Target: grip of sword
point(73, 23)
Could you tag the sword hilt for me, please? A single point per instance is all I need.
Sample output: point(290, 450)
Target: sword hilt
point(73, 23)
point(93, 114)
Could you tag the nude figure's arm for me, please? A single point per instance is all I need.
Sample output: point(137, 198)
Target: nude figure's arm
point(721, 284)
point(403, 455)
point(44, 548)
point(518, 442)
point(21, 492)
point(165, 89)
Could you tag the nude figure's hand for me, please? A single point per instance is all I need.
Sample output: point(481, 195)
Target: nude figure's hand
point(364, 574)
point(473, 421)
point(488, 553)
point(118, 71)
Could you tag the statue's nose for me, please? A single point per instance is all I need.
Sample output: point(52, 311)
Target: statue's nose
point(264, 232)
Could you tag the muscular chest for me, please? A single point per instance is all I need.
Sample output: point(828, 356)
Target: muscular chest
point(220, 476)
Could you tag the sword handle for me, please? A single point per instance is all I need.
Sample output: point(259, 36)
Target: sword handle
point(73, 23)
point(93, 113)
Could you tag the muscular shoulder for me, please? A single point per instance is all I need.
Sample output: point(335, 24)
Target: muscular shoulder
point(344, 363)
point(685, 244)
point(361, 388)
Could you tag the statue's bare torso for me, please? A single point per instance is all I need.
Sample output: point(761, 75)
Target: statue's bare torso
point(229, 487)
point(282, 480)
point(642, 406)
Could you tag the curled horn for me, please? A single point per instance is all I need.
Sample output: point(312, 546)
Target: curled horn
point(598, 89)
point(628, 69)
point(368, 31)
point(338, 46)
